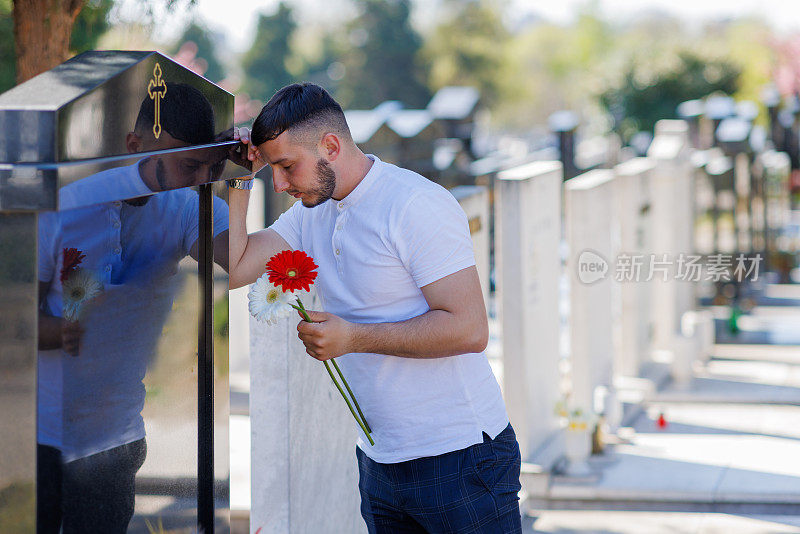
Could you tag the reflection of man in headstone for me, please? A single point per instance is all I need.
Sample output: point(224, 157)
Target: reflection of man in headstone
point(90, 429)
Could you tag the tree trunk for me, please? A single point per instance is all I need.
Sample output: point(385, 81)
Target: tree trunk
point(42, 29)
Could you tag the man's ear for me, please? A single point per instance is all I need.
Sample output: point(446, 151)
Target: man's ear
point(330, 146)
point(133, 142)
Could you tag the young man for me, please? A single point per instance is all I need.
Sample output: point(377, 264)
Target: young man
point(404, 315)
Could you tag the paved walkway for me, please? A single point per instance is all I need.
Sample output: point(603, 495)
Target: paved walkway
point(605, 522)
point(731, 445)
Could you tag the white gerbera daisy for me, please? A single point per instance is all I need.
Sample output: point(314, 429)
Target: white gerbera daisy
point(80, 287)
point(267, 302)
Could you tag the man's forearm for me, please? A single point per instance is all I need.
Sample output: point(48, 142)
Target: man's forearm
point(238, 199)
point(434, 334)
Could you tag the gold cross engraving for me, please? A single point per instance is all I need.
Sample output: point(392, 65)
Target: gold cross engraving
point(157, 89)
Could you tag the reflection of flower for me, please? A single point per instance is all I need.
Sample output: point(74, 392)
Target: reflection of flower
point(79, 287)
point(291, 269)
point(72, 258)
point(267, 302)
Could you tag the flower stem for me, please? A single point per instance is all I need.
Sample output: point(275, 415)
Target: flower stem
point(364, 426)
point(302, 311)
point(352, 411)
point(344, 381)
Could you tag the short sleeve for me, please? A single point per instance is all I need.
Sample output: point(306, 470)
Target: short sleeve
point(288, 225)
point(432, 237)
point(191, 218)
point(220, 215)
point(48, 254)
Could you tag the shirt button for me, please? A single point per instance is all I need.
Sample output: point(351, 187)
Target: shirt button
point(338, 226)
point(116, 224)
point(117, 250)
point(341, 204)
point(108, 268)
point(337, 251)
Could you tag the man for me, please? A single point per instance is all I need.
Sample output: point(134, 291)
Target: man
point(91, 436)
point(404, 316)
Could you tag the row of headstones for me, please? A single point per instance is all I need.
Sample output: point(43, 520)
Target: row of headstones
point(624, 229)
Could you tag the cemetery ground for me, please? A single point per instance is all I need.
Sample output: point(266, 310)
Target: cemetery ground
point(725, 462)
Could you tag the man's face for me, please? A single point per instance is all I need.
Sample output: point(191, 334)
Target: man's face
point(189, 168)
point(184, 168)
point(298, 170)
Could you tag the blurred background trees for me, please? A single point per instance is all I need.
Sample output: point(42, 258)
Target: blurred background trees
point(652, 90)
point(621, 74)
point(469, 46)
point(266, 64)
point(381, 58)
point(204, 48)
point(8, 69)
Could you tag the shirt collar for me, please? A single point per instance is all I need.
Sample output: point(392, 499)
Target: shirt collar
point(366, 182)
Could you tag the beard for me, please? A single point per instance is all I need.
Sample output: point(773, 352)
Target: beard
point(326, 183)
point(161, 175)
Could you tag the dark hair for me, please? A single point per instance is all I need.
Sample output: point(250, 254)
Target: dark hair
point(299, 104)
point(185, 113)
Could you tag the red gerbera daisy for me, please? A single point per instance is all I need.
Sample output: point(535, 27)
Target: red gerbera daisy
point(72, 258)
point(291, 269)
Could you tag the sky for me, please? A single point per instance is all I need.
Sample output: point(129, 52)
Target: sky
point(236, 19)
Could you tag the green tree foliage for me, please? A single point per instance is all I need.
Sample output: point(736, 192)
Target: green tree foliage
point(651, 92)
point(8, 69)
point(266, 63)
point(382, 62)
point(322, 65)
point(91, 24)
point(553, 67)
point(197, 33)
point(470, 47)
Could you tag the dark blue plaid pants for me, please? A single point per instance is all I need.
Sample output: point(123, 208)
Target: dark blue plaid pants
point(472, 490)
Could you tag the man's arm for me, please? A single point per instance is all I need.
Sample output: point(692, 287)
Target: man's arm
point(248, 253)
point(220, 250)
point(455, 324)
point(56, 332)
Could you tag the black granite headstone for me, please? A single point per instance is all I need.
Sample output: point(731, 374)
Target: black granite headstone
point(106, 170)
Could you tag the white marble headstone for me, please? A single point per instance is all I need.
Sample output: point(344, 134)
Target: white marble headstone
point(528, 267)
point(590, 231)
point(672, 208)
point(633, 204)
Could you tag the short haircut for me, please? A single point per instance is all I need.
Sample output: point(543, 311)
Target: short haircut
point(185, 114)
point(299, 106)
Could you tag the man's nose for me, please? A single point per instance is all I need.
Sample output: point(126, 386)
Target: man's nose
point(202, 176)
point(278, 183)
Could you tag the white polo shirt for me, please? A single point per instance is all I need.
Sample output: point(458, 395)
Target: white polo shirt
point(393, 234)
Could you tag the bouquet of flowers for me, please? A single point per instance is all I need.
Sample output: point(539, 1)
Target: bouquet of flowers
point(270, 298)
point(79, 285)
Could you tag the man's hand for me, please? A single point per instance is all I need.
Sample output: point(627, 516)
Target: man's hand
point(70, 336)
point(245, 154)
point(328, 336)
